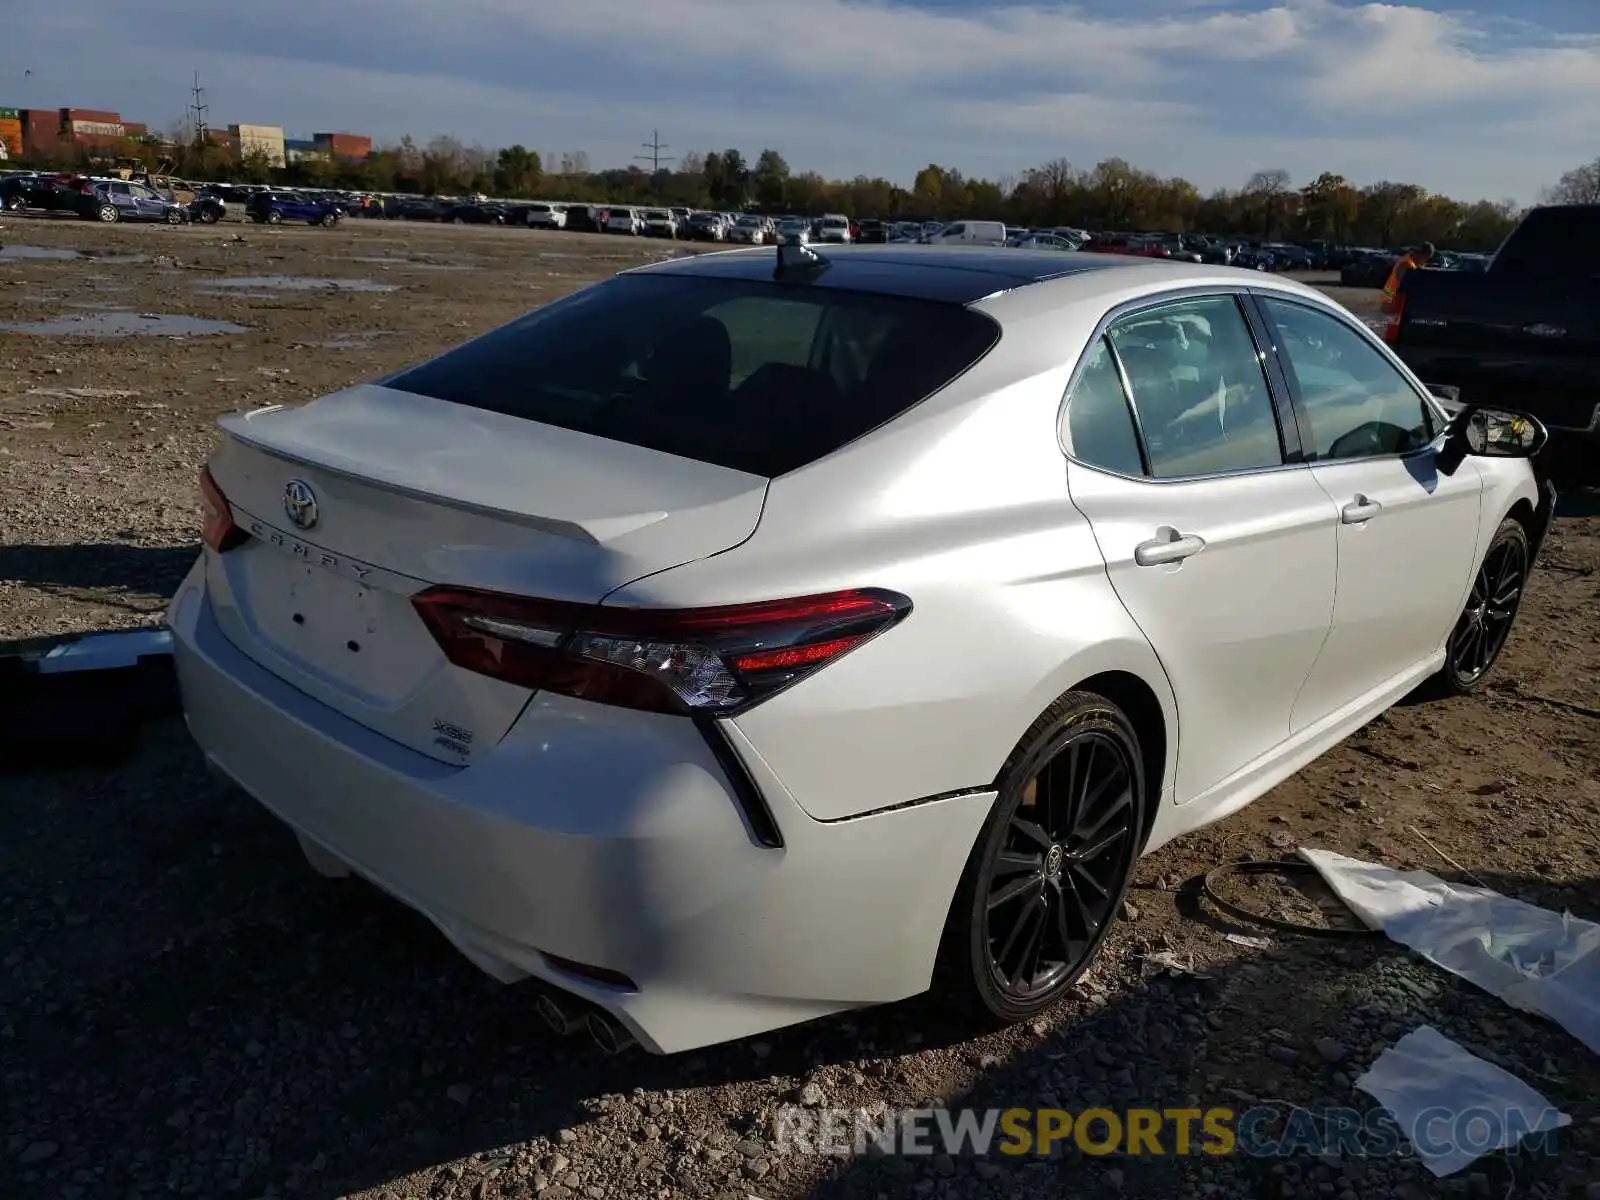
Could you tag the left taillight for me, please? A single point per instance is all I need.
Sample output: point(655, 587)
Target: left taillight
point(217, 529)
point(716, 661)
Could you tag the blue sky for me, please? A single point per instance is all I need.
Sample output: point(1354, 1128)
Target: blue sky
point(1494, 101)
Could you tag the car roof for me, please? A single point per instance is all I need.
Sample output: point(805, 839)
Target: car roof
point(952, 274)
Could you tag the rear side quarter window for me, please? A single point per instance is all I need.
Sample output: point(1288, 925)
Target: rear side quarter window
point(1100, 429)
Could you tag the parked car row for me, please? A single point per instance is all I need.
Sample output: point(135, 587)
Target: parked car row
point(176, 202)
point(94, 199)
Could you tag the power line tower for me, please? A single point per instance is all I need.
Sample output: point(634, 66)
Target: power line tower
point(655, 158)
point(197, 111)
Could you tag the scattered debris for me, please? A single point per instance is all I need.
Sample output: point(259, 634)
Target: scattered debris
point(1425, 1073)
point(1532, 958)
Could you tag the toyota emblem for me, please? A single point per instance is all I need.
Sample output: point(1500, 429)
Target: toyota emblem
point(300, 503)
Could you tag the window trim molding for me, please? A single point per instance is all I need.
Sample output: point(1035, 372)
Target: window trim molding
point(1342, 317)
point(1241, 295)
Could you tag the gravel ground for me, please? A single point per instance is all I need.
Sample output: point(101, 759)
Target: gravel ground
point(185, 1009)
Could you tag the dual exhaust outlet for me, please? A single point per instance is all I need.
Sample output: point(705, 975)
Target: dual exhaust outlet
point(567, 1015)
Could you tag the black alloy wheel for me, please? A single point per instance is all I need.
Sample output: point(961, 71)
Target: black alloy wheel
point(1050, 870)
point(1485, 624)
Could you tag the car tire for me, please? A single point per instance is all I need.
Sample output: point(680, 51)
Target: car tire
point(1048, 874)
point(208, 216)
point(274, 217)
point(15, 204)
point(329, 220)
point(1481, 632)
point(175, 216)
point(109, 214)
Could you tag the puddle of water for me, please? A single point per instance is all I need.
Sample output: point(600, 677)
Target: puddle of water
point(124, 324)
point(300, 283)
point(19, 253)
point(42, 253)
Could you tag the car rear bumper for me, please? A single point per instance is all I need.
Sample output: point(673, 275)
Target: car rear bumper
point(605, 837)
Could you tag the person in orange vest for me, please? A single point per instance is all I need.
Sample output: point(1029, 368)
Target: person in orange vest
point(1420, 257)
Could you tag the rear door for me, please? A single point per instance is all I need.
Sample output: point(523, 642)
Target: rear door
point(1407, 534)
point(1219, 543)
point(121, 195)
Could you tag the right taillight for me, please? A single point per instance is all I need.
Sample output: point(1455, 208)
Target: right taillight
point(217, 529)
point(717, 660)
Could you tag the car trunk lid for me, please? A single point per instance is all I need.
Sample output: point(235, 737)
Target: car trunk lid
point(361, 499)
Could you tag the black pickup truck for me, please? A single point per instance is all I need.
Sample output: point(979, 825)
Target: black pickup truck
point(1524, 334)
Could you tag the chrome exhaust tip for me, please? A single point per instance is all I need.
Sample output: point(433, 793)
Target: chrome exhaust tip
point(563, 1020)
point(609, 1034)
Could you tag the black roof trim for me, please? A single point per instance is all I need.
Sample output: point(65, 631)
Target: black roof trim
point(949, 274)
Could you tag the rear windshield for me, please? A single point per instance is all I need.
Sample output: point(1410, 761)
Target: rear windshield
point(1561, 241)
point(754, 376)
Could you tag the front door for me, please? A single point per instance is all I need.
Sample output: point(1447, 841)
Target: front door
point(1222, 552)
point(1408, 535)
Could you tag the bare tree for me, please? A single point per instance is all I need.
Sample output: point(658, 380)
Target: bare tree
point(1581, 185)
point(1268, 191)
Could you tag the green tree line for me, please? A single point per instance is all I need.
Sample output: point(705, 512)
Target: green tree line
point(1112, 194)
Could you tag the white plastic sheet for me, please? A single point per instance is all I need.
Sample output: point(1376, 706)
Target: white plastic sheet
point(1536, 960)
point(1452, 1105)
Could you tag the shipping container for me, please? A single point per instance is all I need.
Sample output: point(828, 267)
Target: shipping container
point(10, 114)
point(266, 140)
point(90, 114)
point(345, 145)
point(81, 128)
point(41, 131)
point(11, 135)
point(135, 128)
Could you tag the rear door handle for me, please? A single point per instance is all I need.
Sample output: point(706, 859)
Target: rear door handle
point(1168, 546)
point(1359, 510)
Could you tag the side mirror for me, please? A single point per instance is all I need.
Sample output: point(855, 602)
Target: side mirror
point(1490, 433)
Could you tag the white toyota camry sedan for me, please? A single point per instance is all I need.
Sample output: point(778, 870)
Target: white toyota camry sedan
point(755, 636)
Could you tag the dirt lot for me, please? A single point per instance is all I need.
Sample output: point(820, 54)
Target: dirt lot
point(185, 1009)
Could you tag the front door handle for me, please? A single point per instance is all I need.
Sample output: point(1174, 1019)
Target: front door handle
point(1168, 546)
point(1359, 510)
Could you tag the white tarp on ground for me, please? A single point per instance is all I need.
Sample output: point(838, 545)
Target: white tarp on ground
point(1536, 960)
point(1452, 1105)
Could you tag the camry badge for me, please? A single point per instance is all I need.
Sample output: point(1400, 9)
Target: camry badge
point(300, 503)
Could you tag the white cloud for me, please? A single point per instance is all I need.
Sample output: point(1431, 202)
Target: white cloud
point(1204, 88)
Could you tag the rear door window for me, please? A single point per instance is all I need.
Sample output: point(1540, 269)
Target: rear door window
point(1561, 241)
point(754, 376)
point(1198, 387)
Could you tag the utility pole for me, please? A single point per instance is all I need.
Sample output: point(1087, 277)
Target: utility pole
point(655, 158)
point(197, 111)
